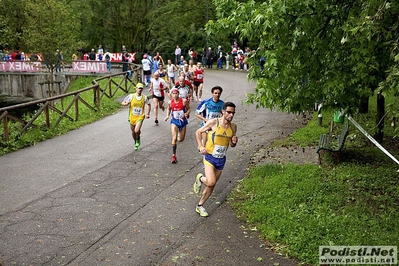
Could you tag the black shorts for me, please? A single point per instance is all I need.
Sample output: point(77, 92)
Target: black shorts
point(160, 98)
point(147, 72)
point(197, 83)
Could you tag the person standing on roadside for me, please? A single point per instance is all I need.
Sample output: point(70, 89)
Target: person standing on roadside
point(92, 55)
point(220, 58)
point(137, 102)
point(158, 87)
point(108, 59)
point(221, 133)
point(203, 56)
point(100, 52)
point(177, 54)
point(179, 110)
point(209, 58)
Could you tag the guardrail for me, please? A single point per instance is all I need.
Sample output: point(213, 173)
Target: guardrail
point(129, 79)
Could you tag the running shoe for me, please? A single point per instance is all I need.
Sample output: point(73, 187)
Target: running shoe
point(174, 159)
point(197, 184)
point(156, 121)
point(201, 210)
point(136, 147)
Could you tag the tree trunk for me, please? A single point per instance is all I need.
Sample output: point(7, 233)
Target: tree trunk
point(379, 135)
point(364, 105)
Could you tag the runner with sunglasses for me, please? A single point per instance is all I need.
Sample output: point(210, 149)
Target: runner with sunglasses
point(221, 133)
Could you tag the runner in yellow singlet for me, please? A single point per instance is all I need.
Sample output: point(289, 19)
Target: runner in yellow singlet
point(137, 102)
point(221, 133)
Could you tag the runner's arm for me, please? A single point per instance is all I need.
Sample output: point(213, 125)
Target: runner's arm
point(234, 139)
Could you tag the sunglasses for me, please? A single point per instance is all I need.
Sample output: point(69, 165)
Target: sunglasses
point(231, 112)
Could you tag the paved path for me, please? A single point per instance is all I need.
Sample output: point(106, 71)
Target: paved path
point(87, 198)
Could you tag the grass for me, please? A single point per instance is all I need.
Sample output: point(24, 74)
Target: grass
point(86, 116)
point(299, 208)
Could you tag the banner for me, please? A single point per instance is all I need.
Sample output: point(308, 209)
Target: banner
point(20, 66)
point(87, 66)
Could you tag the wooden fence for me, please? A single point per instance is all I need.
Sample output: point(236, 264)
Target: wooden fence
point(129, 79)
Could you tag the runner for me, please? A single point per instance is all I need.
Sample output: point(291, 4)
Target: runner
point(210, 108)
point(137, 115)
point(158, 87)
point(179, 109)
point(171, 74)
point(221, 133)
point(198, 81)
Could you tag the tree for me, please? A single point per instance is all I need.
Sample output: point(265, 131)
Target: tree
point(50, 26)
point(337, 52)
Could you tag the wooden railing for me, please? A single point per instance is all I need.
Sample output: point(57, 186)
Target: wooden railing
point(129, 79)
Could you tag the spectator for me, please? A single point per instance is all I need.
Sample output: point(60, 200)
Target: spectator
point(125, 61)
point(100, 53)
point(92, 55)
point(209, 57)
point(203, 56)
point(227, 60)
point(234, 55)
point(220, 57)
point(107, 58)
point(177, 54)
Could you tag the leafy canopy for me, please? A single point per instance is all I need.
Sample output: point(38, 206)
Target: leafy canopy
point(315, 50)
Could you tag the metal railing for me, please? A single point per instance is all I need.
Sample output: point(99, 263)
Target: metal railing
point(129, 79)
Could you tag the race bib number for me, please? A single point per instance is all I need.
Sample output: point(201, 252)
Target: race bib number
point(137, 111)
point(199, 76)
point(213, 115)
point(178, 114)
point(219, 151)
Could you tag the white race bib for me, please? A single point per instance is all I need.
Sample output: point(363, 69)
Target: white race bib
point(178, 114)
point(213, 115)
point(219, 151)
point(137, 111)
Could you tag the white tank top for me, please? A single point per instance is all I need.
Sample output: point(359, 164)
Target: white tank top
point(171, 73)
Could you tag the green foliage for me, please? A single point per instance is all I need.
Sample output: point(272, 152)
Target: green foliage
point(50, 26)
point(304, 207)
point(314, 50)
point(142, 25)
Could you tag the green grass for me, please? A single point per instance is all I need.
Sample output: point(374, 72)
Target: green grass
point(299, 208)
point(303, 207)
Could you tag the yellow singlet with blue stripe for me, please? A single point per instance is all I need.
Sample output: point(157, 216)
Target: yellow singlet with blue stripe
point(216, 145)
point(136, 110)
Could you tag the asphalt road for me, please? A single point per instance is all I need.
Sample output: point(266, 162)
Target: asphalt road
point(87, 198)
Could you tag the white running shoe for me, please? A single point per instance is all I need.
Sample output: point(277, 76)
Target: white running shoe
point(197, 183)
point(202, 212)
